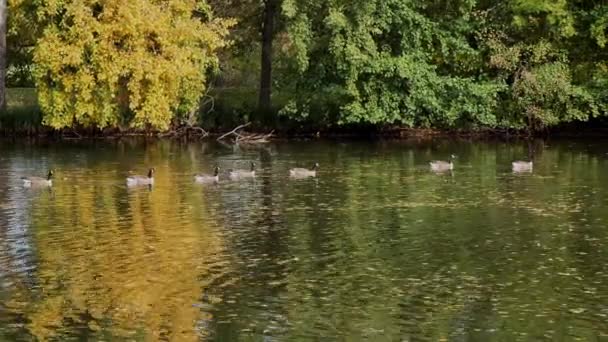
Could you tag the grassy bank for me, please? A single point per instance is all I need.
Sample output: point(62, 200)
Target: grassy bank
point(225, 108)
point(22, 114)
point(222, 109)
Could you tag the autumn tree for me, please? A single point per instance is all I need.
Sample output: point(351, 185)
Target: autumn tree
point(130, 63)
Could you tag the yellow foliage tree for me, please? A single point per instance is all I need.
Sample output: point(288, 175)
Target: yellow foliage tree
point(114, 62)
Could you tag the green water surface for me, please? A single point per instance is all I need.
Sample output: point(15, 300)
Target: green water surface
point(376, 247)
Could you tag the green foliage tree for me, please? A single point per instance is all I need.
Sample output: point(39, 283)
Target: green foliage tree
point(528, 44)
point(135, 63)
point(468, 63)
point(3, 28)
point(523, 64)
point(22, 33)
point(388, 62)
point(251, 61)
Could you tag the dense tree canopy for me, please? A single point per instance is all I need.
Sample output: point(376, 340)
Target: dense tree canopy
point(523, 64)
point(23, 31)
point(114, 62)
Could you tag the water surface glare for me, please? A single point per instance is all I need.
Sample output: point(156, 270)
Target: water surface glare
point(376, 247)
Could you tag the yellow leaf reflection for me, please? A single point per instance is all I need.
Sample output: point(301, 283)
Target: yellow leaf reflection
point(121, 263)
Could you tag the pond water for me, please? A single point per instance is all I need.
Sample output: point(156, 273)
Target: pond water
point(375, 247)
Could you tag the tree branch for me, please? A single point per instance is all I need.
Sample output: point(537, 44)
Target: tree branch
point(234, 131)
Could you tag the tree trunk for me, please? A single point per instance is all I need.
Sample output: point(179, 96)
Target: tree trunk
point(3, 25)
point(270, 8)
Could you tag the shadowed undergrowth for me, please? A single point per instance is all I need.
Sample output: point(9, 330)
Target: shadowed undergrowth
point(22, 114)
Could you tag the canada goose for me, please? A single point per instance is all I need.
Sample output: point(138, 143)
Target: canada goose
point(522, 166)
point(238, 174)
point(38, 181)
point(204, 178)
point(301, 172)
point(141, 180)
point(440, 165)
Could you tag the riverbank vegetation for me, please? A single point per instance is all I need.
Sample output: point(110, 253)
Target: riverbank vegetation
point(303, 65)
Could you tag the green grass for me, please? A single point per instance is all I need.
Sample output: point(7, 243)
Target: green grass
point(230, 107)
point(226, 107)
point(21, 98)
point(236, 105)
point(22, 113)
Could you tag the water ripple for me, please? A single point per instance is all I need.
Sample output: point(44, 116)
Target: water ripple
point(375, 247)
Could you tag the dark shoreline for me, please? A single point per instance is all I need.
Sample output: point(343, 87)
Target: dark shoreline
point(577, 131)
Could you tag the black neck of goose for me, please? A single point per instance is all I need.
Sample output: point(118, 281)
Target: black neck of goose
point(49, 176)
point(252, 167)
point(216, 172)
point(530, 149)
point(150, 173)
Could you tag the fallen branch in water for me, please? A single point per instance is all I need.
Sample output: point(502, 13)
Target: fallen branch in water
point(200, 130)
point(73, 131)
point(253, 138)
point(186, 130)
point(246, 138)
point(234, 131)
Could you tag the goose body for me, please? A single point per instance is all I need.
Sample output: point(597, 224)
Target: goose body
point(203, 178)
point(29, 182)
point(302, 172)
point(141, 180)
point(239, 174)
point(440, 165)
point(525, 165)
point(522, 166)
